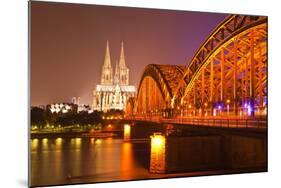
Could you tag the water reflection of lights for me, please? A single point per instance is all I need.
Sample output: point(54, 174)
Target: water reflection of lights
point(78, 141)
point(157, 156)
point(127, 160)
point(57, 168)
point(59, 142)
point(75, 142)
point(109, 140)
point(98, 141)
point(45, 143)
point(92, 141)
point(34, 143)
point(45, 140)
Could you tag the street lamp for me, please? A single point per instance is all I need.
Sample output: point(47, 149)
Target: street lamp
point(228, 102)
point(220, 109)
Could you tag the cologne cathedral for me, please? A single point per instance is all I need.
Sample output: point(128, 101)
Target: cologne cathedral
point(114, 89)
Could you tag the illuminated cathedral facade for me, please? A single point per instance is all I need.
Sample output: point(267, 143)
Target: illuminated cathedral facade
point(114, 89)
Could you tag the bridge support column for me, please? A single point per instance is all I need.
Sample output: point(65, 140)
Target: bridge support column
point(212, 87)
point(203, 92)
point(222, 74)
point(235, 79)
point(246, 96)
point(260, 80)
point(252, 80)
point(194, 99)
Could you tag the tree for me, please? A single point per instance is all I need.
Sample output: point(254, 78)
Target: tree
point(38, 116)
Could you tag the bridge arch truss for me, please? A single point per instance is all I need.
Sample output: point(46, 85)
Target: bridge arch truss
point(228, 74)
point(157, 87)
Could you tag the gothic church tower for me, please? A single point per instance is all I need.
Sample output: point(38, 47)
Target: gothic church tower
point(106, 73)
point(116, 74)
point(123, 70)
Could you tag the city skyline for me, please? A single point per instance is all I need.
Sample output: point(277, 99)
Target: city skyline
point(68, 43)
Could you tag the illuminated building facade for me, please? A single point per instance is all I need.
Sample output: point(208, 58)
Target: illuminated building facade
point(62, 108)
point(114, 89)
point(81, 107)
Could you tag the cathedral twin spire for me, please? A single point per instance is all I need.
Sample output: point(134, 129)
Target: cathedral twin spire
point(106, 74)
point(121, 74)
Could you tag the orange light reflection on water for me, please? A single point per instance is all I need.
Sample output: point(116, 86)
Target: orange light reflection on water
point(92, 141)
point(58, 143)
point(34, 143)
point(98, 141)
point(45, 143)
point(58, 169)
point(158, 152)
point(127, 160)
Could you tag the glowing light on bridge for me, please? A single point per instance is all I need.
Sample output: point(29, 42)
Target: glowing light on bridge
point(92, 140)
point(127, 132)
point(158, 153)
point(109, 126)
point(249, 110)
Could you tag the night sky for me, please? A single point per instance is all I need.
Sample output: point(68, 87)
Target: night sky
point(68, 44)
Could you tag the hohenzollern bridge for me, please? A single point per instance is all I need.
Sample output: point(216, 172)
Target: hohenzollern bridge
point(225, 83)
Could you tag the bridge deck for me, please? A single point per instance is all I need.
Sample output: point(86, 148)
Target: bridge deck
point(210, 122)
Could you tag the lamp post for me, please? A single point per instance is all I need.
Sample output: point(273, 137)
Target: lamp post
point(228, 102)
point(189, 111)
point(220, 109)
point(205, 107)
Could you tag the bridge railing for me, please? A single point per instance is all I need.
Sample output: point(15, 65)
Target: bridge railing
point(212, 122)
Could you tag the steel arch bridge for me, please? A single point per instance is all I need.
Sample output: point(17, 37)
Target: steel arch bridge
point(226, 77)
point(157, 88)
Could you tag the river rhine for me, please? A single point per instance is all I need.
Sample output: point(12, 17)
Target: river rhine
point(82, 160)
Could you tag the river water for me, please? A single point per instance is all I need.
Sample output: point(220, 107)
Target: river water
point(72, 160)
point(85, 160)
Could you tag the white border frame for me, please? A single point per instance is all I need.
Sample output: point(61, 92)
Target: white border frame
point(14, 91)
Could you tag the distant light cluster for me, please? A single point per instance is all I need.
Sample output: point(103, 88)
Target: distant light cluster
point(84, 108)
point(64, 108)
point(60, 107)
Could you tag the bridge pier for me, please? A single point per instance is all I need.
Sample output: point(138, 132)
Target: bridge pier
point(208, 152)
